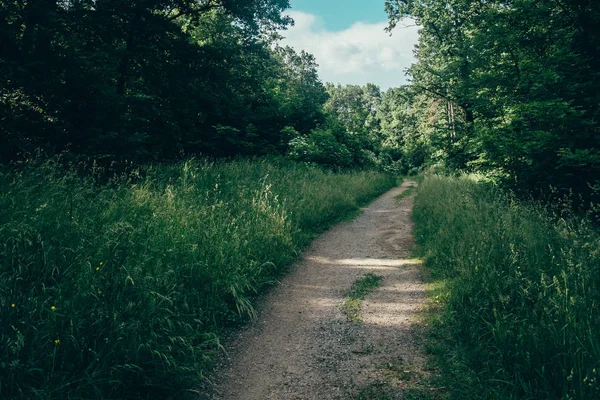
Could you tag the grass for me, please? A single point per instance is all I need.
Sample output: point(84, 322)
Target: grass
point(406, 193)
point(122, 290)
point(358, 291)
point(514, 293)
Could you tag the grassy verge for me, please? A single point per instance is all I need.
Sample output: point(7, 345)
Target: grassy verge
point(359, 290)
point(122, 290)
point(514, 293)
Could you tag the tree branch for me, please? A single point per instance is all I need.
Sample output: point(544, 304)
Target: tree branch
point(191, 11)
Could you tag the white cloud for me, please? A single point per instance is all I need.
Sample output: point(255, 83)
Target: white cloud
point(358, 55)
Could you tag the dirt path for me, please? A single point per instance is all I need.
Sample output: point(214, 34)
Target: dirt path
point(303, 347)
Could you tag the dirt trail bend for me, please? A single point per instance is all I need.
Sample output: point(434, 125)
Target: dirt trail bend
point(303, 347)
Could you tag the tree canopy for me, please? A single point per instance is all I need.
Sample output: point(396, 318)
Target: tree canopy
point(517, 84)
point(151, 79)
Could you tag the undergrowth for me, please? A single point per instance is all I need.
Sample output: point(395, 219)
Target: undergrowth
point(122, 290)
point(515, 293)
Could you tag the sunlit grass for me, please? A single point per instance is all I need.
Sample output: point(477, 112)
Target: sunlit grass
point(515, 293)
point(123, 290)
point(364, 285)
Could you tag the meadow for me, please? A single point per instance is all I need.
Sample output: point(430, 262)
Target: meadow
point(124, 289)
point(515, 289)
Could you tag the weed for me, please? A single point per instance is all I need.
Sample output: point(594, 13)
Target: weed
point(360, 288)
point(409, 191)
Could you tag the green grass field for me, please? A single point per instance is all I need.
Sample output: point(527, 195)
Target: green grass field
point(123, 290)
point(515, 293)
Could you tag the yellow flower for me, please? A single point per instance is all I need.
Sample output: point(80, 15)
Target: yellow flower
point(53, 308)
point(13, 305)
point(99, 291)
point(97, 268)
point(57, 341)
point(101, 263)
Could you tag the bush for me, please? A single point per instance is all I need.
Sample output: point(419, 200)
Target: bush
point(320, 146)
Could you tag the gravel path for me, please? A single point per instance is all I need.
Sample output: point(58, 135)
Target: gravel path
point(302, 346)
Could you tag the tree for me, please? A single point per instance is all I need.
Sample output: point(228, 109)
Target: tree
point(131, 79)
point(519, 82)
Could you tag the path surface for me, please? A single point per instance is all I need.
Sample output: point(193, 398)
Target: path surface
point(302, 346)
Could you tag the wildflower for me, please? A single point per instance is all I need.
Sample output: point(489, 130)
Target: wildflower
point(99, 291)
point(57, 341)
point(53, 308)
point(97, 268)
point(13, 305)
point(101, 263)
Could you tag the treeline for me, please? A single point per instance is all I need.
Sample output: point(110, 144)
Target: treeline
point(155, 80)
point(366, 127)
point(510, 88)
point(152, 79)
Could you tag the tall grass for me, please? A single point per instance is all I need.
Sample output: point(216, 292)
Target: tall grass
point(521, 291)
point(122, 290)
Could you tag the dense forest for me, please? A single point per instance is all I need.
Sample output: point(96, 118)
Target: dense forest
point(160, 80)
point(151, 80)
point(162, 162)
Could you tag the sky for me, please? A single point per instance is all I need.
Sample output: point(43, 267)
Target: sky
point(349, 43)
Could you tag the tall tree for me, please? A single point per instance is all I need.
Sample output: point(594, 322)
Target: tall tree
point(519, 80)
point(134, 79)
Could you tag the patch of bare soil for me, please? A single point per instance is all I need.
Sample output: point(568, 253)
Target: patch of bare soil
point(303, 347)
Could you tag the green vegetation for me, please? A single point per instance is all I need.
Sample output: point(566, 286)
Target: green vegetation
point(358, 291)
point(506, 87)
point(155, 80)
point(406, 193)
point(517, 287)
point(123, 290)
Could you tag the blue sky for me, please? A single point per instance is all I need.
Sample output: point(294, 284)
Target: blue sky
point(348, 40)
point(338, 15)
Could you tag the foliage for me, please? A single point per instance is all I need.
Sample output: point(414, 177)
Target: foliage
point(322, 147)
point(520, 291)
point(404, 132)
point(151, 80)
point(516, 84)
point(123, 290)
point(351, 110)
point(363, 127)
point(358, 291)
